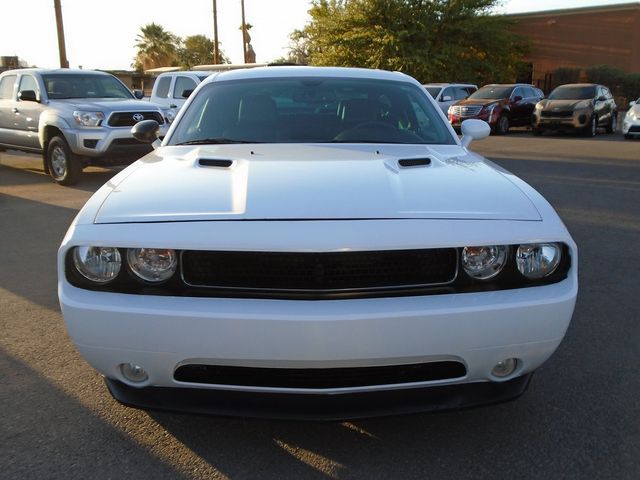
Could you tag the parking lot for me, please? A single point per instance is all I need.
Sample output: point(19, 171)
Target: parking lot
point(579, 418)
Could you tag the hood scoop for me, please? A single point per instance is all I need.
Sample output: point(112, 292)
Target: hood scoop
point(215, 162)
point(414, 162)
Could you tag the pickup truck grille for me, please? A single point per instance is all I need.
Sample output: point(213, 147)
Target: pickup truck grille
point(321, 273)
point(125, 119)
point(466, 110)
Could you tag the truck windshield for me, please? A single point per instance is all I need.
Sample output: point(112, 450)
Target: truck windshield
point(311, 110)
point(573, 93)
point(84, 86)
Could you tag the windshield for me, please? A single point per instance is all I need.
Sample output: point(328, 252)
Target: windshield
point(84, 86)
point(433, 91)
point(311, 110)
point(573, 93)
point(492, 93)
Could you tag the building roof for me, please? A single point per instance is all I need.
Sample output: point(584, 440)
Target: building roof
point(577, 11)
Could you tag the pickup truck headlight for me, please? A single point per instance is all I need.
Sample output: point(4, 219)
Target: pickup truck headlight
point(537, 260)
point(88, 119)
point(97, 264)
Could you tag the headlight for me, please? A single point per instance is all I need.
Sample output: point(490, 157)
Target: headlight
point(98, 264)
point(484, 263)
point(152, 264)
point(88, 119)
point(169, 115)
point(632, 115)
point(537, 260)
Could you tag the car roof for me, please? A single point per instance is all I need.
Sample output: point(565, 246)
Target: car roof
point(58, 71)
point(579, 85)
point(448, 85)
point(303, 71)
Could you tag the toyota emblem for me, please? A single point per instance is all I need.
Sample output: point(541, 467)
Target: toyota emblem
point(138, 117)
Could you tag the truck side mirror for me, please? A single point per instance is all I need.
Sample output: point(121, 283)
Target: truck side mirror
point(139, 94)
point(187, 93)
point(146, 131)
point(28, 96)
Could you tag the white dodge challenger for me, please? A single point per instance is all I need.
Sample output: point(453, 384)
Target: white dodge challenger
point(315, 243)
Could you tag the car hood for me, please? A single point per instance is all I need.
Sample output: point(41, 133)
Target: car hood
point(480, 101)
point(277, 182)
point(106, 104)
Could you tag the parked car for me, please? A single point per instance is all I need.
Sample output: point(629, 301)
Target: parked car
point(446, 94)
point(501, 106)
point(579, 107)
point(294, 249)
point(631, 122)
point(171, 89)
point(74, 118)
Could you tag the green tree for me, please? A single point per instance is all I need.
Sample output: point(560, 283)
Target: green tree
point(156, 48)
point(432, 40)
point(198, 50)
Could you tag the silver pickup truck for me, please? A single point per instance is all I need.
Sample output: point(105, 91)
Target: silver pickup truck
point(74, 118)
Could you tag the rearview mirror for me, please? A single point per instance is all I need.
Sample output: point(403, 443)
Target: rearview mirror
point(447, 98)
point(473, 129)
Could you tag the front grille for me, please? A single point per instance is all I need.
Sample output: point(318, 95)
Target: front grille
point(466, 110)
point(125, 119)
point(558, 114)
point(318, 378)
point(634, 128)
point(319, 272)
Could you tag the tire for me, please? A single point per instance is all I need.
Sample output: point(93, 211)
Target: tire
point(502, 125)
point(591, 130)
point(537, 131)
point(64, 166)
point(628, 136)
point(611, 128)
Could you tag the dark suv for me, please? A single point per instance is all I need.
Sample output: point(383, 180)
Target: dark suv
point(580, 107)
point(501, 106)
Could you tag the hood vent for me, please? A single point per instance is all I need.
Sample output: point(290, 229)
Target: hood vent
point(215, 162)
point(414, 162)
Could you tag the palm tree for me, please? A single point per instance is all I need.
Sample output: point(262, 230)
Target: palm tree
point(156, 48)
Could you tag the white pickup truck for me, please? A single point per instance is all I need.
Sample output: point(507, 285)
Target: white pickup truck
point(172, 89)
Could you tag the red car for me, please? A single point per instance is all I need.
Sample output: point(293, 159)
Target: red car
point(501, 106)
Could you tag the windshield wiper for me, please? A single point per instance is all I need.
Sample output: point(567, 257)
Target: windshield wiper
point(214, 141)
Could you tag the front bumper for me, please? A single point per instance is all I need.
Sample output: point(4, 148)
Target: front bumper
point(578, 120)
point(631, 126)
point(318, 406)
point(108, 145)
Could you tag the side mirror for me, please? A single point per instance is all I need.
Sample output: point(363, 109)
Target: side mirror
point(517, 98)
point(601, 98)
point(146, 131)
point(473, 129)
point(447, 98)
point(139, 94)
point(187, 93)
point(28, 96)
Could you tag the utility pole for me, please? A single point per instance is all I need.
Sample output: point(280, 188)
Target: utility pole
point(64, 63)
point(244, 33)
point(216, 48)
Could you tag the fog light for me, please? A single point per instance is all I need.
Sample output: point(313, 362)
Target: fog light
point(505, 367)
point(134, 373)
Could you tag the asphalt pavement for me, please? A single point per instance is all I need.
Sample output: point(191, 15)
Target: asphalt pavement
point(579, 419)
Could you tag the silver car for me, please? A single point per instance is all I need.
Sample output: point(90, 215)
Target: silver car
point(446, 94)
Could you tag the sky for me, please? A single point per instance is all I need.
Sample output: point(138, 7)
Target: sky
point(101, 33)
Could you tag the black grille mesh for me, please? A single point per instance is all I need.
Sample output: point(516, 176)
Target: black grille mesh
point(308, 272)
point(125, 119)
point(319, 377)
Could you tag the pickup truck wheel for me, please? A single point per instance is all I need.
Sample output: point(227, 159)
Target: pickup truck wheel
point(64, 166)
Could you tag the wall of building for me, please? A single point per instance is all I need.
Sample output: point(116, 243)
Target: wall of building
point(581, 38)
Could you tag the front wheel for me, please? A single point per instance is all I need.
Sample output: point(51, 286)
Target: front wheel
point(64, 166)
point(592, 128)
point(537, 131)
point(502, 127)
point(611, 128)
